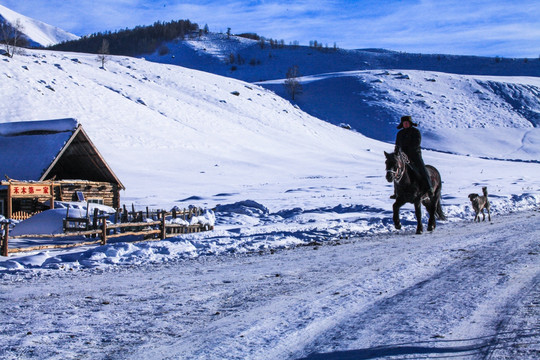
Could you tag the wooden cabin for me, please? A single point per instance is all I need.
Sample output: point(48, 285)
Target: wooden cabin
point(52, 159)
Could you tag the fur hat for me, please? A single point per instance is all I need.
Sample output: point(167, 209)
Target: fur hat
point(406, 118)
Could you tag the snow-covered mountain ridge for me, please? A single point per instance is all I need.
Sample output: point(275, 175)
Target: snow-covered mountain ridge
point(248, 60)
point(37, 32)
point(454, 97)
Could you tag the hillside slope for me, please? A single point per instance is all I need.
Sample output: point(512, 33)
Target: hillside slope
point(176, 125)
point(461, 114)
point(464, 100)
point(459, 109)
point(37, 32)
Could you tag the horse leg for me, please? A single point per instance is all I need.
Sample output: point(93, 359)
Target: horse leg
point(431, 210)
point(418, 213)
point(397, 205)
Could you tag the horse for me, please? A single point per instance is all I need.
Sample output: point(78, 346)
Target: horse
point(408, 189)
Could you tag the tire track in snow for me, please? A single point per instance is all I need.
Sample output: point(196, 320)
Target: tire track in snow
point(437, 305)
point(518, 334)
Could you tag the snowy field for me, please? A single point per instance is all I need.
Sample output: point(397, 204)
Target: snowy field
point(466, 291)
point(285, 187)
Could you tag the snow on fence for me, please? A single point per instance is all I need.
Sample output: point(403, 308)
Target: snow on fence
point(151, 230)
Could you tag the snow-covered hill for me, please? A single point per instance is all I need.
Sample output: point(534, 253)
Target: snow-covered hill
point(460, 109)
point(38, 33)
point(463, 114)
point(247, 60)
point(178, 137)
point(175, 125)
point(342, 87)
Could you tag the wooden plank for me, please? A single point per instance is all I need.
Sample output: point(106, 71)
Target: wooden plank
point(47, 247)
point(148, 232)
point(163, 230)
point(123, 225)
point(45, 236)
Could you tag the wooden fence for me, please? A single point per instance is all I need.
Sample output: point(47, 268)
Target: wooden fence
point(150, 230)
point(23, 215)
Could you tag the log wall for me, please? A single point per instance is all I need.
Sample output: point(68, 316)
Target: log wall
point(109, 193)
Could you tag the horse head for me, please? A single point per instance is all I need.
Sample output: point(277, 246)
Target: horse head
point(396, 164)
point(391, 166)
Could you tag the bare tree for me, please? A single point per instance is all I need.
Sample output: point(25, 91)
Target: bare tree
point(103, 53)
point(292, 85)
point(12, 36)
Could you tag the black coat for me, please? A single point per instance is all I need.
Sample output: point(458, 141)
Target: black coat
point(408, 140)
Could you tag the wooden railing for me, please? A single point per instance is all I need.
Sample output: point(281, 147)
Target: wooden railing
point(23, 215)
point(153, 230)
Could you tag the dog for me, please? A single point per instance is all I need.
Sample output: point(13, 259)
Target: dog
point(480, 203)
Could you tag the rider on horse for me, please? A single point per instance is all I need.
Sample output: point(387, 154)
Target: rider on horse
point(408, 141)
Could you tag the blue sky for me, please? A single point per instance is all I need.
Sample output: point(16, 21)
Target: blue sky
point(462, 27)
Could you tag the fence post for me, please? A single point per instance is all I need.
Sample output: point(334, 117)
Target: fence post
point(95, 221)
point(104, 232)
point(163, 228)
point(116, 219)
point(5, 237)
point(125, 214)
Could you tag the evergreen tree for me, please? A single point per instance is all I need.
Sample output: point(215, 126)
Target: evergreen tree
point(132, 42)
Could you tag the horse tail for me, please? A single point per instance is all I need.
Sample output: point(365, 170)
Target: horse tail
point(439, 212)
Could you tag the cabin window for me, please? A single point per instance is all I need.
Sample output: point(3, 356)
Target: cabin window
point(96, 201)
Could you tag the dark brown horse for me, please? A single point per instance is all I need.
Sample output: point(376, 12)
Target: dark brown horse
point(408, 189)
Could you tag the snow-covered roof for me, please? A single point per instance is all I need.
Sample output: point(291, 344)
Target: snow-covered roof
point(40, 150)
point(30, 147)
point(16, 128)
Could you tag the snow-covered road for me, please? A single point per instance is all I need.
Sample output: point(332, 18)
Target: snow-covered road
point(468, 290)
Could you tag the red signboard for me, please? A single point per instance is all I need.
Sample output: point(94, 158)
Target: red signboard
point(27, 190)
